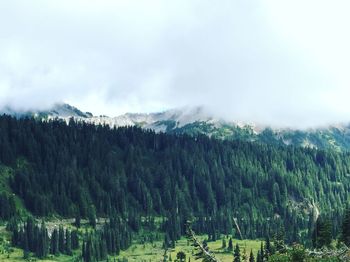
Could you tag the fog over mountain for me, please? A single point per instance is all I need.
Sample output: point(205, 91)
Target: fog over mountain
point(265, 62)
point(196, 121)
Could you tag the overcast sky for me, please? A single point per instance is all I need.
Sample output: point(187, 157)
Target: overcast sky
point(284, 63)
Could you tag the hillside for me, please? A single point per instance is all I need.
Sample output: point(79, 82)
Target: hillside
point(194, 121)
point(135, 173)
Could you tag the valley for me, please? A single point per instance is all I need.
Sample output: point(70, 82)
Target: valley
point(174, 131)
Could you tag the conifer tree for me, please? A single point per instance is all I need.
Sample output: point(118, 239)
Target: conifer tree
point(262, 252)
point(345, 229)
point(251, 256)
point(54, 242)
point(223, 245)
point(75, 239)
point(77, 220)
point(259, 257)
point(68, 243)
point(268, 248)
point(237, 254)
point(244, 255)
point(61, 240)
point(92, 216)
point(230, 245)
point(279, 240)
point(181, 256)
point(42, 243)
point(25, 247)
point(322, 235)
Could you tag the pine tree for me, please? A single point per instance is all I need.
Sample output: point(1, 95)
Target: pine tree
point(262, 251)
point(88, 250)
point(181, 256)
point(92, 216)
point(268, 249)
point(259, 257)
point(42, 241)
point(77, 220)
point(322, 235)
point(68, 243)
point(103, 248)
point(279, 240)
point(230, 245)
point(61, 240)
point(54, 242)
point(251, 256)
point(237, 254)
point(25, 247)
point(345, 230)
point(244, 255)
point(223, 246)
point(75, 239)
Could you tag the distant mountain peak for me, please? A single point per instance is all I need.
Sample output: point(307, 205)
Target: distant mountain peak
point(58, 110)
point(66, 110)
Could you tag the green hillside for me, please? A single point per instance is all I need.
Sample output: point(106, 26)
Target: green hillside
point(132, 177)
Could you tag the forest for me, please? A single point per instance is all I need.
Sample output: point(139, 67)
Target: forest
point(132, 176)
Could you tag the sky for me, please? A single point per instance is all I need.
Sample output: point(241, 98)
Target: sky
point(281, 63)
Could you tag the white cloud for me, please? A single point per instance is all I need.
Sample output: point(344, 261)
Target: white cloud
point(275, 62)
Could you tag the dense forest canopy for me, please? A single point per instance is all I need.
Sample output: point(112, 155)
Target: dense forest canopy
point(62, 169)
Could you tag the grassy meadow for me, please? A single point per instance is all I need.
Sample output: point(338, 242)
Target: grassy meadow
point(137, 252)
point(154, 252)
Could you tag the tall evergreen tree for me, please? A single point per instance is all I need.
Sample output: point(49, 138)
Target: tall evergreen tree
point(77, 220)
point(54, 242)
point(223, 245)
point(61, 240)
point(268, 248)
point(251, 256)
point(345, 229)
point(237, 254)
point(75, 239)
point(68, 243)
point(230, 245)
point(259, 257)
point(322, 235)
point(92, 216)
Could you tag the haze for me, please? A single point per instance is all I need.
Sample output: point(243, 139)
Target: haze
point(282, 63)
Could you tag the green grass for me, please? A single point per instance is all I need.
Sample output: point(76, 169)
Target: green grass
point(137, 252)
point(17, 255)
point(154, 252)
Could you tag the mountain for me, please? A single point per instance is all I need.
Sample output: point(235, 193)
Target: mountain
point(141, 184)
point(198, 120)
point(59, 110)
point(56, 168)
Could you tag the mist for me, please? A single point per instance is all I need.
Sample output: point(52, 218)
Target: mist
point(279, 63)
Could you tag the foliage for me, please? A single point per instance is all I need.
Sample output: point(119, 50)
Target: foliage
point(237, 254)
point(345, 229)
point(322, 235)
point(95, 170)
point(32, 237)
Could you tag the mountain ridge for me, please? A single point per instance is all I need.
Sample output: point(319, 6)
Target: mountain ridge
point(197, 120)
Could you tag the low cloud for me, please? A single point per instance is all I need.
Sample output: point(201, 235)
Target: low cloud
point(271, 62)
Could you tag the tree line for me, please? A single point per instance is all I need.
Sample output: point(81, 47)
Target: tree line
point(34, 237)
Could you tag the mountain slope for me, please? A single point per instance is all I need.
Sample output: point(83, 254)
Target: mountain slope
point(137, 173)
point(59, 110)
point(194, 121)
